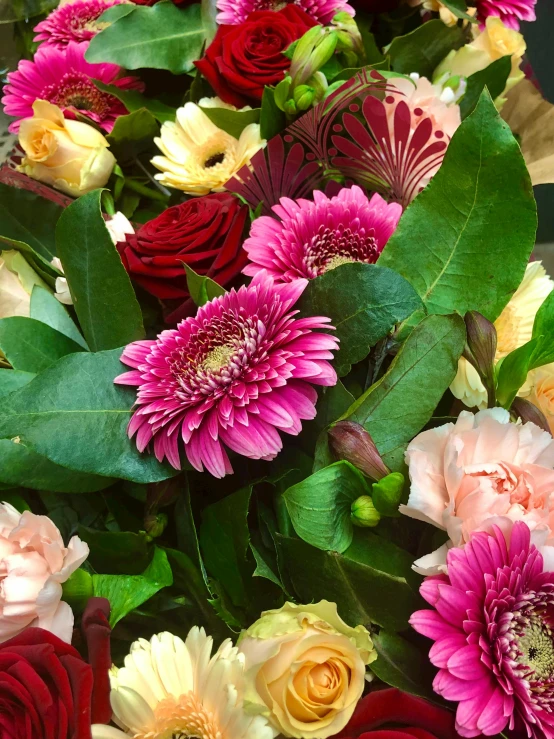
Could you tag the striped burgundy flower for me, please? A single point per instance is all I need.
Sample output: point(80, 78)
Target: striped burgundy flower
point(233, 376)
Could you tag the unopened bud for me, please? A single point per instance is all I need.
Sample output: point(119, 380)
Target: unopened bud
point(161, 494)
point(303, 97)
point(524, 409)
point(387, 494)
point(77, 589)
point(282, 92)
point(349, 36)
point(363, 512)
point(350, 441)
point(480, 349)
point(309, 57)
point(155, 525)
point(290, 107)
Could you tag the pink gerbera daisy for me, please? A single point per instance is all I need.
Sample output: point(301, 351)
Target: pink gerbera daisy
point(65, 78)
point(493, 628)
point(509, 11)
point(235, 12)
point(308, 238)
point(235, 375)
point(74, 21)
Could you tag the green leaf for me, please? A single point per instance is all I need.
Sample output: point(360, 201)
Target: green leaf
point(23, 10)
point(32, 346)
point(103, 296)
point(202, 289)
point(319, 506)
point(127, 592)
point(272, 118)
point(465, 240)
point(421, 50)
point(513, 371)
point(37, 231)
point(232, 121)
point(159, 37)
point(459, 8)
point(402, 665)
point(493, 77)
point(73, 414)
point(117, 552)
point(363, 301)
point(333, 402)
point(263, 567)
point(42, 266)
point(134, 100)
point(21, 466)
point(47, 309)
point(543, 327)
point(364, 593)
point(11, 380)
point(397, 407)
point(133, 134)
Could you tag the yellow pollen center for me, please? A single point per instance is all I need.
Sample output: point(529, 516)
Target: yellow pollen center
point(182, 718)
point(337, 261)
point(217, 358)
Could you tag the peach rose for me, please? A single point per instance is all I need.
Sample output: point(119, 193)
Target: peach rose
point(541, 393)
point(479, 471)
point(33, 564)
point(305, 668)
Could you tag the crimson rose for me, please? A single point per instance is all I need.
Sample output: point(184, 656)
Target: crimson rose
point(205, 233)
point(392, 714)
point(45, 688)
point(242, 59)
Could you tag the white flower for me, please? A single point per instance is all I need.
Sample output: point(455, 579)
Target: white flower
point(118, 226)
point(514, 327)
point(62, 288)
point(198, 157)
point(170, 688)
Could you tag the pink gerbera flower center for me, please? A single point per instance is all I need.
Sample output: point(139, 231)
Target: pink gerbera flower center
point(331, 247)
point(532, 641)
point(77, 90)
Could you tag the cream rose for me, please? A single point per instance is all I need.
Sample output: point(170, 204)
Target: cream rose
point(305, 668)
point(68, 155)
point(34, 562)
point(542, 392)
point(480, 471)
point(17, 280)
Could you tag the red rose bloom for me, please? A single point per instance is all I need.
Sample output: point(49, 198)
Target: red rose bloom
point(205, 233)
point(242, 59)
point(392, 714)
point(96, 630)
point(45, 688)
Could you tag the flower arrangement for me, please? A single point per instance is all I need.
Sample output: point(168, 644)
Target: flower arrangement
point(276, 373)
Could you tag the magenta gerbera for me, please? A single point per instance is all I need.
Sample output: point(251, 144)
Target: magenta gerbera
point(308, 238)
point(493, 628)
point(74, 21)
point(233, 376)
point(235, 12)
point(509, 11)
point(65, 78)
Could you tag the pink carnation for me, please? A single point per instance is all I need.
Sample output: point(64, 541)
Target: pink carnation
point(308, 238)
point(64, 77)
point(479, 471)
point(73, 21)
point(492, 622)
point(233, 376)
point(34, 562)
point(509, 11)
point(235, 12)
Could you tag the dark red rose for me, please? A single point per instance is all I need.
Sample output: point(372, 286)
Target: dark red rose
point(205, 233)
point(96, 629)
point(242, 59)
point(392, 714)
point(45, 688)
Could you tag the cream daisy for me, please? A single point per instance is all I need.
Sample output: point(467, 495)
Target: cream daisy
point(198, 157)
point(170, 688)
point(514, 327)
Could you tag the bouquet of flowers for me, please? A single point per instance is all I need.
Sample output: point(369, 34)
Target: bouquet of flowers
point(277, 377)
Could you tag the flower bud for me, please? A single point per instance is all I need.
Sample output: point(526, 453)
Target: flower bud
point(290, 108)
point(282, 93)
point(480, 349)
point(308, 58)
point(387, 494)
point(154, 525)
point(527, 411)
point(304, 96)
point(363, 512)
point(78, 589)
point(350, 441)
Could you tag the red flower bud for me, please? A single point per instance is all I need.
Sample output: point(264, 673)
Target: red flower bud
point(350, 441)
point(96, 629)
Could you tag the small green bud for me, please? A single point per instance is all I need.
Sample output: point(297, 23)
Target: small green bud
point(309, 58)
point(78, 589)
point(282, 93)
point(387, 494)
point(290, 108)
point(304, 96)
point(363, 512)
point(154, 525)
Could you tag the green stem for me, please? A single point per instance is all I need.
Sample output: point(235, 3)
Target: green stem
point(145, 191)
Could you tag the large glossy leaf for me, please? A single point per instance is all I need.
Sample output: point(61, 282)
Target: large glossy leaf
point(364, 302)
point(134, 100)
point(20, 466)
point(73, 414)
point(26, 217)
point(402, 665)
point(117, 552)
point(465, 241)
point(492, 77)
point(368, 582)
point(47, 309)
point(397, 407)
point(31, 345)
point(133, 134)
point(103, 296)
point(421, 50)
point(11, 380)
point(159, 37)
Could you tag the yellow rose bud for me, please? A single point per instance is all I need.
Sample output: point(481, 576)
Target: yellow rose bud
point(494, 42)
point(305, 668)
point(17, 280)
point(69, 155)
